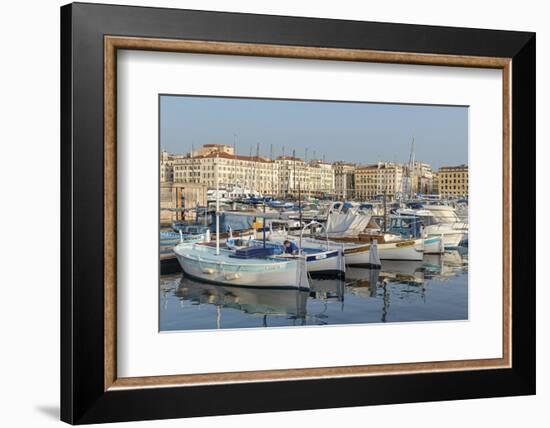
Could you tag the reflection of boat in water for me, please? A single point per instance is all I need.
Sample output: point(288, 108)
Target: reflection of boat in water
point(402, 271)
point(327, 289)
point(364, 281)
point(250, 300)
point(391, 271)
point(444, 265)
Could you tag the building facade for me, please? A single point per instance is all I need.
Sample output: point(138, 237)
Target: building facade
point(254, 172)
point(422, 178)
point(453, 181)
point(320, 179)
point(435, 184)
point(378, 179)
point(286, 176)
point(176, 197)
point(344, 180)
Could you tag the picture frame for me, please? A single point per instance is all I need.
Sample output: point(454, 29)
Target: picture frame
point(91, 391)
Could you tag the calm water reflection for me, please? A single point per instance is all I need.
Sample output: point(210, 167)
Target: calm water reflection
point(433, 289)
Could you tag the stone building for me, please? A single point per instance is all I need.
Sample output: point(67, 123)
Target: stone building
point(344, 179)
point(435, 184)
point(422, 178)
point(377, 179)
point(453, 181)
point(320, 180)
point(254, 172)
point(174, 197)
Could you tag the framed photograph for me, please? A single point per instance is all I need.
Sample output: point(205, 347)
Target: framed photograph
point(267, 213)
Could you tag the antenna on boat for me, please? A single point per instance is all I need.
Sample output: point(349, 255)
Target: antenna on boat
point(217, 206)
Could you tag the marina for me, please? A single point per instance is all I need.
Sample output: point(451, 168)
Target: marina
point(272, 238)
point(435, 288)
point(352, 263)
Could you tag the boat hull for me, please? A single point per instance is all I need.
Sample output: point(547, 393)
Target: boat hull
point(199, 264)
point(451, 236)
point(326, 263)
point(434, 245)
point(319, 262)
point(359, 254)
point(452, 240)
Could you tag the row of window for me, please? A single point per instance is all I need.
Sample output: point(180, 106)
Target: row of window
point(454, 181)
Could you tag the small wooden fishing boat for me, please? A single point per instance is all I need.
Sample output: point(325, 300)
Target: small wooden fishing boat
point(249, 267)
point(319, 261)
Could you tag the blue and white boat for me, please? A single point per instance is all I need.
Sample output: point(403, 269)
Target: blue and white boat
point(440, 220)
point(410, 226)
point(319, 261)
point(250, 267)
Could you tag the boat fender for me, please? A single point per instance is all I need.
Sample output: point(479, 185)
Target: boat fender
point(232, 276)
point(208, 271)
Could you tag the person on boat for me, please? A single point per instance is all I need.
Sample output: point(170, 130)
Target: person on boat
point(290, 247)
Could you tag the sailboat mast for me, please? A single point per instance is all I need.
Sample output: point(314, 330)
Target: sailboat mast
point(300, 213)
point(217, 176)
point(411, 167)
point(234, 160)
point(294, 171)
point(271, 160)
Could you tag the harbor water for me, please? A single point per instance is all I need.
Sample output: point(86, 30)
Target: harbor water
point(434, 289)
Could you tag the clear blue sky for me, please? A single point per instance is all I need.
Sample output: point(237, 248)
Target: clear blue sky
point(355, 132)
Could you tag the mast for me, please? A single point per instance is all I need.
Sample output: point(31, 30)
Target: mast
point(308, 185)
point(294, 172)
point(300, 215)
point(217, 206)
point(234, 160)
point(284, 188)
point(385, 211)
point(249, 181)
point(256, 175)
point(411, 167)
point(272, 181)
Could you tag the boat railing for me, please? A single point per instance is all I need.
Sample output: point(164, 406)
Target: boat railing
point(310, 224)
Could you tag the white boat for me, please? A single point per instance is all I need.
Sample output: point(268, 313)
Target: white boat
point(345, 225)
point(321, 259)
point(346, 219)
point(201, 262)
point(455, 229)
point(440, 220)
point(411, 226)
point(328, 262)
point(357, 252)
point(434, 245)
